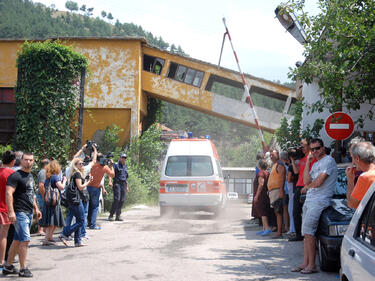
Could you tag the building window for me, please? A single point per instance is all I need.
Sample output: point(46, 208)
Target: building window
point(153, 64)
point(185, 74)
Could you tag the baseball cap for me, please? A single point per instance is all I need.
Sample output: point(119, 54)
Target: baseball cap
point(123, 155)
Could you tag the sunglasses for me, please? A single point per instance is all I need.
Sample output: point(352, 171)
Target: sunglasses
point(315, 148)
point(79, 164)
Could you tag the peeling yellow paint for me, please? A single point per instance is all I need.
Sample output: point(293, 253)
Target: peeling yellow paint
point(116, 88)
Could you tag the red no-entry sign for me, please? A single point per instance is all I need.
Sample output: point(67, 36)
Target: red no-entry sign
point(339, 126)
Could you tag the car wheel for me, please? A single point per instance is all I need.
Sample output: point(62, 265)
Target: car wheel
point(325, 264)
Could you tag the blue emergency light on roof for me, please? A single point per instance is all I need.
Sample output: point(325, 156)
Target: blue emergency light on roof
point(207, 137)
point(190, 135)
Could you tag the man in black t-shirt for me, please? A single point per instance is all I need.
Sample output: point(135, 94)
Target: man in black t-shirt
point(20, 201)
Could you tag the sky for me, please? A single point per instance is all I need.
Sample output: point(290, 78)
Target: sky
point(263, 47)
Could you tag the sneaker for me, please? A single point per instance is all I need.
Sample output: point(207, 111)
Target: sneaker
point(110, 218)
point(266, 232)
point(85, 238)
point(63, 239)
point(25, 272)
point(80, 244)
point(96, 227)
point(10, 270)
point(260, 232)
point(119, 219)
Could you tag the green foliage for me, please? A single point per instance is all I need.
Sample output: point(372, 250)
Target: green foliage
point(24, 19)
point(4, 148)
point(289, 135)
point(340, 53)
point(47, 98)
point(144, 155)
point(111, 139)
point(71, 6)
point(143, 161)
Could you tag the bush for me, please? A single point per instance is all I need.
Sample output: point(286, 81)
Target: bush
point(143, 161)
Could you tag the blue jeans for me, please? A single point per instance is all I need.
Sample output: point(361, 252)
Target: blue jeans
point(93, 205)
point(86, 212)
point(69, 218)
point(78, 212)
point(22, 226)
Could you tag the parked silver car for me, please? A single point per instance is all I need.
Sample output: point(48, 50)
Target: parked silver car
point(358, 246)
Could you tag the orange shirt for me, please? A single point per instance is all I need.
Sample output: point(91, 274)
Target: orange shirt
point(97, 172)
point(275, 180)
point(363, 184)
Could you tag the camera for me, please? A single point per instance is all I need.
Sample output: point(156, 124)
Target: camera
point(295, 152)
point(89, 150)
point(106, 160)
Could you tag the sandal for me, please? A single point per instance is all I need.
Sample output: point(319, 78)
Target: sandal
point(308, 271)
point(297, 269)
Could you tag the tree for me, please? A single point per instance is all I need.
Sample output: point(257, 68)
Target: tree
point(89, 11)
point(71, 6)
point(289, 135)
point(109, 16)
point(340, 53)
point(83, 8)
point(104, 14)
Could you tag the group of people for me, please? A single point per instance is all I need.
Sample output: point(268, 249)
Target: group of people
point(81, 186)
point(278, 189)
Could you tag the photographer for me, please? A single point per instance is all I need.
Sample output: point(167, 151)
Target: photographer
point(120, 187)
point(97, 171)
point(298, 169)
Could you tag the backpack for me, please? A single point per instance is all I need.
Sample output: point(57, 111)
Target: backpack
point(51, 195)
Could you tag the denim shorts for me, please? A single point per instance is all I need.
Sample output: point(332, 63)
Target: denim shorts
point(22, 226)
point(311, 215)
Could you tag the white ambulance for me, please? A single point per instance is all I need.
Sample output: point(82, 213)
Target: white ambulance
point(191, 177)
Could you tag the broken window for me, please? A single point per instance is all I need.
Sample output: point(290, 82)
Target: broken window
point(153, 64)
point(185, 74)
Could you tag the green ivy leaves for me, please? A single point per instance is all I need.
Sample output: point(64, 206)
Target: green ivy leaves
point(47, 98)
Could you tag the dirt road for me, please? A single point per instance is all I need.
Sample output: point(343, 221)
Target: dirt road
point(189, 247)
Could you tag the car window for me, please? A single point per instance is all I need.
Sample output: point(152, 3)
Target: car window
point(366, 226)
point(341, 183)
point(201, 166)
point(189, 166)
point(177, 166)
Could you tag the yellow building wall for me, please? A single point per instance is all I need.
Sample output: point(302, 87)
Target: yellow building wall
point(96, 120)
point(8, 57)
point(113, 81)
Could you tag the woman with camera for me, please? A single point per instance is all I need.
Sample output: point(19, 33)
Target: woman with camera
point(52, 214)
point(77, 183)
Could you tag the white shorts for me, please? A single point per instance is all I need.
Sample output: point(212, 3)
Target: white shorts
point(311, 215)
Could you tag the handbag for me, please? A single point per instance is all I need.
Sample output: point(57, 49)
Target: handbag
point(51, 195)
point(72, 193)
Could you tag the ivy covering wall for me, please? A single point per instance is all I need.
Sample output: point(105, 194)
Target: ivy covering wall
point(47, 97)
